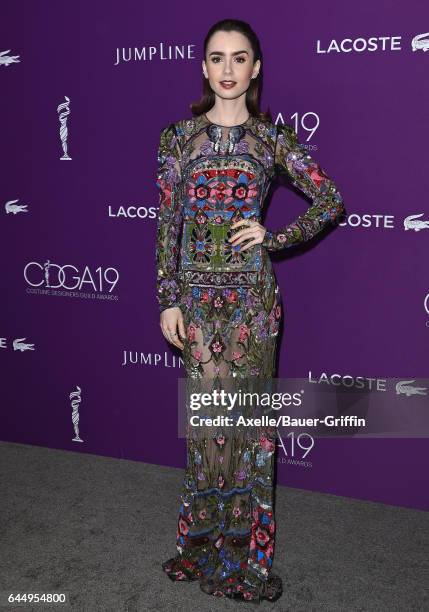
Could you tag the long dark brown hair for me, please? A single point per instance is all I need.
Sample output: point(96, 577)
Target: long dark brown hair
point(253, 93)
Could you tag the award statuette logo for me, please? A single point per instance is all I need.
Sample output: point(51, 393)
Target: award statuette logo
point(64, 107)
point(76, 398)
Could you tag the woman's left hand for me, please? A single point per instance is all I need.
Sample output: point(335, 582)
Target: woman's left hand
point(253, 231)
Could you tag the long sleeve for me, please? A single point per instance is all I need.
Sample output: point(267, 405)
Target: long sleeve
point(169, 218)
point(327, 205)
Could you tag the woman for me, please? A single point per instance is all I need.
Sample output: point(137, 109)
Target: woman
point(220, 302)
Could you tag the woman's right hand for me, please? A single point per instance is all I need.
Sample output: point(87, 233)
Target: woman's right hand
point(172, 325)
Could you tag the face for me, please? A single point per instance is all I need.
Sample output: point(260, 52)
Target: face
point(229, 66)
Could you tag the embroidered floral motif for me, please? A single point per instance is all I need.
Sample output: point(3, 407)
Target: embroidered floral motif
point(291, 158)
point(210, 176)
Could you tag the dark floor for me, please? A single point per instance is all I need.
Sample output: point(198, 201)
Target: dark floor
point(98, 528)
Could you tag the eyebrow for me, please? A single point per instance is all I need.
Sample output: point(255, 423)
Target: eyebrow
point(222, 53)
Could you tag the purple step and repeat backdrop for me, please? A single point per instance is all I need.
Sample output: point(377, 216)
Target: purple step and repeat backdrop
point(86, 88)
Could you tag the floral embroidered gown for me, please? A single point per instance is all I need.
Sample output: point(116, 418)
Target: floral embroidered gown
point(208, 177)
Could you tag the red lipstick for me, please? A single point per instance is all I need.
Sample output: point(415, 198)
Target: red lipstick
point(228, 84)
